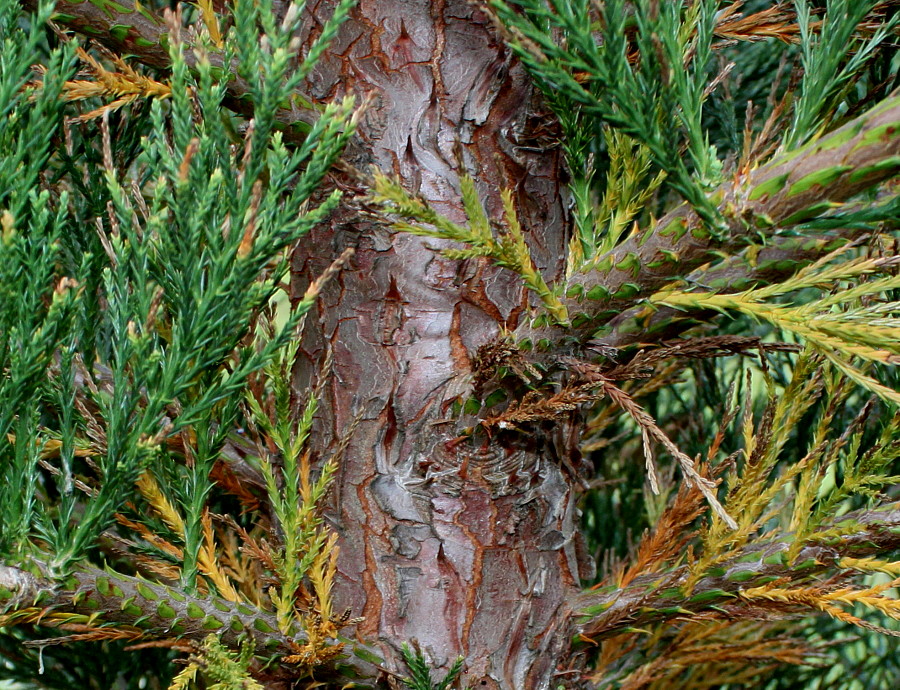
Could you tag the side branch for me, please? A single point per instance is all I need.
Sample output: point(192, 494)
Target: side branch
point(771, 264)
point(125, 27)
point(794, 187)
point(160, 611)
point(652, 598)
point(128, 28)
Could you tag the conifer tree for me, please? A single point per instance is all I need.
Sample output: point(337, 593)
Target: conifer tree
point(448, 344)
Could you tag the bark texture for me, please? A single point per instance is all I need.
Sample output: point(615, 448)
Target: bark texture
point(468, 549)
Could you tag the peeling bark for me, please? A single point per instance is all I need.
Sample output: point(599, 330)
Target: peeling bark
point(468, 549)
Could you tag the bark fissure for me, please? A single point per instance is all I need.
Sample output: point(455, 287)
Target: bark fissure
point(462, 546)
point(492, 575)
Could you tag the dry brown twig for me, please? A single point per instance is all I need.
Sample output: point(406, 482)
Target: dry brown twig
point(124, 84)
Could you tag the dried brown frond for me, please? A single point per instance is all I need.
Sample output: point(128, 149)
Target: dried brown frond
point(780, 22)
point(257, 550)
point(182, 646)
point(671, 534)
point(648, 364)
point(728, 416)
point(208, 562)
point(773, 22)
point(317, 285)
point(497, 353)
point(642, 363)
point(534, 407)
point(650, 429)
point(225, 478)
point(156, 569)
point(759, 146)
point(717, 653)
point(613, 649)
point(151, 537)
point(123, 84)
point(834, 602)
point(606, 414)
point(82, 626)
point(244, 572)
point(77, 483)
point(86, 633)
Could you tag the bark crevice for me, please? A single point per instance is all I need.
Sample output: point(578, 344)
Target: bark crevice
point(466, 546)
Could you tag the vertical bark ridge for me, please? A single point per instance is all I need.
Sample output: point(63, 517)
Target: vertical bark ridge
point(467, 549)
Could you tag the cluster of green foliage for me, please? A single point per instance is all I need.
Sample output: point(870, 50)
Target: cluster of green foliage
point(143, 255)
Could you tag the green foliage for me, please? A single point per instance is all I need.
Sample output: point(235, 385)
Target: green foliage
point(37, 307)
point(833, 58)
point(849, 321)
point(137, 262)
point(791, 507)
point(508, 250)
point(292, 493)
point(420, 672)
point(179, 292)
point(144, 246)
point(628, 191)
point(658, 100)
point(225, 669)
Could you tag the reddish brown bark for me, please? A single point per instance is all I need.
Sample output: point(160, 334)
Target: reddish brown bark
point(468, 548)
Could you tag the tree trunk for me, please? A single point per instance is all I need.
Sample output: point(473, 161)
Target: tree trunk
point(467, 547)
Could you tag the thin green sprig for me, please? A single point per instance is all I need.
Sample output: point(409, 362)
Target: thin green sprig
point(849, 322)
point(507, 249)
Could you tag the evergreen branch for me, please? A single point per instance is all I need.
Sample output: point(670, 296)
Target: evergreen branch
point(869, 332)
point(826, 69)
point(157, 610)
point(206, 553)
point(753, 267)
point(712, 654)
point(508, 249)
point(831, 602)
point(120, 599)
point(652, 100)
point(420, 670)
point(792, 188)
point(230, 670)
point(139, 31)
point(657, 597)
point(127, 27)
point(125, 85)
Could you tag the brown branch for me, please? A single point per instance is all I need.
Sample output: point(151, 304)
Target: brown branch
point(771, 264)
point(140, 33)
point(656, 597)
point(129, 28)
point(161, 611)
point(794, 187)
